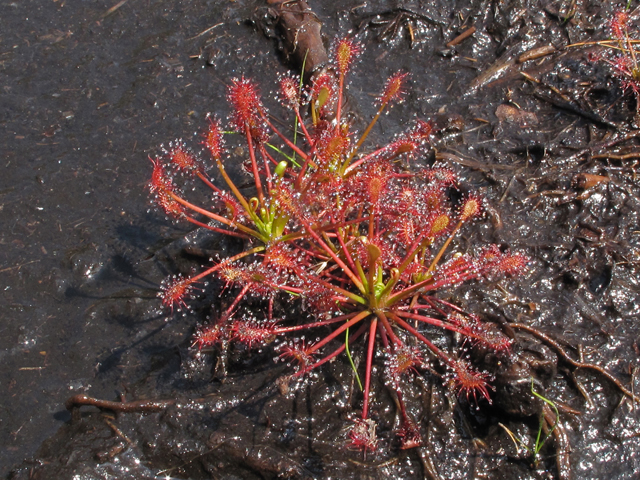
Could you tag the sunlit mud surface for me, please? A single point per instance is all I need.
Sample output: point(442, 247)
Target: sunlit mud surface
point(90, 89)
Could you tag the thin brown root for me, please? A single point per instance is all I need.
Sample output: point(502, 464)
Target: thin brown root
point(137, 406)
point(562, 443)
point(565, 356)
point(117, 431)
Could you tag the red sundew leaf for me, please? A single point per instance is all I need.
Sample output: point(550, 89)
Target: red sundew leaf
point(170, 205)
point(287, 199)
point(281, 257)
point(247, 108)
point(257, 278)
point(234, 210)
point(376, 187)
point(208, 336)
point(512, 264)
point(371, 183)
point(472, 207)
point(461, 320)
point(394, 88)
point(296, 351)
point(182, 159)
point(316, 298)
point(490, 254)
point(346, 51)
point(405, 202)
point(323, 95)
point(479, 332)
point(162, 187)
point(422, 131)
point(493, 261)
point(406, 230)
point(434, 200)
point(234, 273)
point(400, 147)
point(620, 25)
point(470, 382)
point(439, 225)
point(495, 340)
point(459, 269)
point(409, 435)
point(159, 179)
point(174, 291)
point(402, 360)
point(442, 177)
point(251, 332)
point(332, 146)
point(213, 140)
point(290, 91)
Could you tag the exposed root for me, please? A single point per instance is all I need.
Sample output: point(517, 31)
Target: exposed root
point(574, 363)
point(137, 406)
point(563, 448)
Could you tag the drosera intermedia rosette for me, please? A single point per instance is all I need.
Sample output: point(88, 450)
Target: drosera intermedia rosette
point(363, 238)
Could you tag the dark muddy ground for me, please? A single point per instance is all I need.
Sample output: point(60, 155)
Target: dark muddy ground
point(89, 89)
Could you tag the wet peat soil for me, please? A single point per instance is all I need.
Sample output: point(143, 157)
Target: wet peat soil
point(89, 90)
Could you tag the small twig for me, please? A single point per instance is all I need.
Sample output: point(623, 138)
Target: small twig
point(463, 36)
point(114, 8)
point(536, 53)
point(506, 190)
point(565, 356)
point(204, 32)
point(499, 69)
point(580, 387)
point(613, 156)
point(139, 406)
point(6, 269)
point(117, 431)
point(548, 193)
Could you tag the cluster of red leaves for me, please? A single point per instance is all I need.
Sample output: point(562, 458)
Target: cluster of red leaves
point(625, 63)
point(361, 238)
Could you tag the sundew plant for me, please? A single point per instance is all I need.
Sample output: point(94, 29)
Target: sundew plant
point(360, 237)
